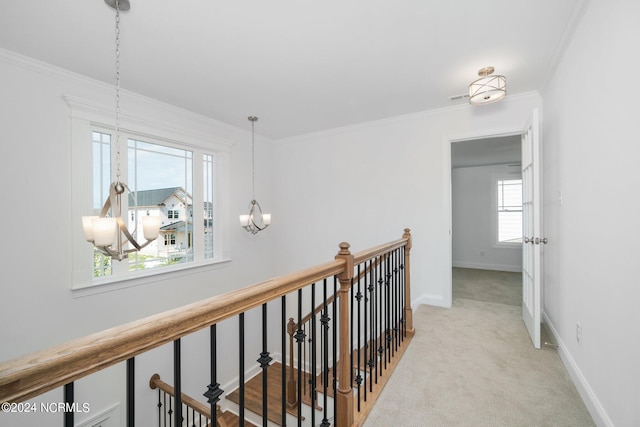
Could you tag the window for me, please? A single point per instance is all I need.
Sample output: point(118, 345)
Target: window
point(170, 170)
point(169, 239)
point(509, 211)
point(160, 180)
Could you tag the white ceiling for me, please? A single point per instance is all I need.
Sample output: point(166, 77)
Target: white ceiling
point(300, 66)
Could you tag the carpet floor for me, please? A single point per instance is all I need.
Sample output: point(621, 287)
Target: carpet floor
point(474, 365)
point(502, 287)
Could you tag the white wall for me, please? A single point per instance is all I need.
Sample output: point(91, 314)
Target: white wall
point(37, 307)
point(591, 154)
point(473, 216)
point(364, 184)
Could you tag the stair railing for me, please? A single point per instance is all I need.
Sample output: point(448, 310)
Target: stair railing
point(325, 343)
point(377, 296)
point(60, 366)
point(194, 412)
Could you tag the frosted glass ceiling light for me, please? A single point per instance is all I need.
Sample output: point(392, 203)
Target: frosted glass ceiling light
point(256, 220)
point(488, 88)
point(106, 231)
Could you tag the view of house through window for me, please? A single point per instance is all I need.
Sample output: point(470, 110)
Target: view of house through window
point(509, 204)
point(160, 179)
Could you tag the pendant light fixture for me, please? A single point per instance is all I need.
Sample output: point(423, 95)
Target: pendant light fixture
point(108, 231)
point(487, 88)
point(256, 220)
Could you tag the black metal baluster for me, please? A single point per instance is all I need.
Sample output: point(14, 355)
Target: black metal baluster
point(380, 315)
point(324, 320)
point(372, 324)
point(131, 404)
point(312, 385)
point(394, 290)
point(241, 367)
point(403, 283)
point(264, 361)
point(68, 400)
point(159, 407)
point(170, 412)
point(365, 351)
point(359, 375)
point(323, 344)
point(284, 359)
point(398, 301)
point(177, 380)
point(387, 311)
point(351, 334)
point(214, 391)
point(335, 346)
point(306, 362)
point(300, 336)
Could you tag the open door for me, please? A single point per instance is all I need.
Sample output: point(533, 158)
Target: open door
point(531, 208)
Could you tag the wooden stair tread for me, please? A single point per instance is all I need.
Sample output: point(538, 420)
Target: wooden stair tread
point(253, 395)
point(232, 420)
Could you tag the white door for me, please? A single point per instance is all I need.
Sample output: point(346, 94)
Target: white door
point(531, 206)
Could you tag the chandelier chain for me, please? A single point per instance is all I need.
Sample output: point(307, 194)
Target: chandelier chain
point(117, 90)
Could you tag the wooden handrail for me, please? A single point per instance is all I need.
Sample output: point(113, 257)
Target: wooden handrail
point(367, 254)
point(28, 376)
point(155, 382)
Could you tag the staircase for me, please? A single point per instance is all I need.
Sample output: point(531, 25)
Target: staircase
point(340, 354)
point(368, 380)
point(254, 401)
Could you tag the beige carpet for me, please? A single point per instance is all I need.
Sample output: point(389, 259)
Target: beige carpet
point(474, 365)
point(502, 287)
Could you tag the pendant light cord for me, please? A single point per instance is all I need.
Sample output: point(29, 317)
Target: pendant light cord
point(253, 161)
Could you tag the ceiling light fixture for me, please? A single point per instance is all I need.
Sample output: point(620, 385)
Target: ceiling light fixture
point(487, 88)
point(106, 231)
point(256, 220)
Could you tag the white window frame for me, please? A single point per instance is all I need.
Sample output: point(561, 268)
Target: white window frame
point(85, 116)
point(494, 211)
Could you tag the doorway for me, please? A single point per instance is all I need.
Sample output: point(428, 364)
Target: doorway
point(486, 201)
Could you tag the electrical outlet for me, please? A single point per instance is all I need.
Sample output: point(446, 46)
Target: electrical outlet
point(578, 332)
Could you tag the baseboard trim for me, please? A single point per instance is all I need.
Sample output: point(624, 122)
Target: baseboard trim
point(436, 300)
point(591, 401)
point(494, 267)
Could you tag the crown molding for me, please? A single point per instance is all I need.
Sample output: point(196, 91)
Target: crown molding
point(216, 131)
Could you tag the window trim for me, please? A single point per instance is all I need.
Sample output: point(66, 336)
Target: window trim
point(84, 115)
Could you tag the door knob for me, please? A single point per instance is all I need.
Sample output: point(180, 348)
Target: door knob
point(543, 240)
point(528, 240)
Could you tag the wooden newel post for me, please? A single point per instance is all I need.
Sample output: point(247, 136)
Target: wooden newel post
point(408, 313)
point(344, 398)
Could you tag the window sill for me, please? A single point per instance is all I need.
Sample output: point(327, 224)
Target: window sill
point(515, 245)
point(141, 278)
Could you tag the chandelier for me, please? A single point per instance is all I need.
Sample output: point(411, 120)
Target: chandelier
point(487, 88)
point(256, 220)
point(108, 231)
